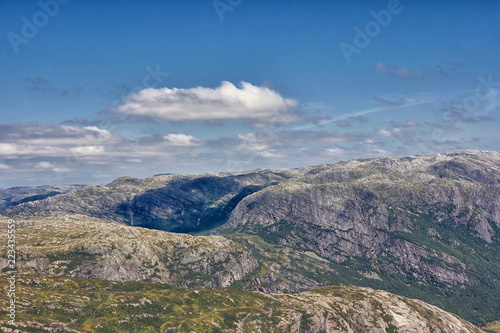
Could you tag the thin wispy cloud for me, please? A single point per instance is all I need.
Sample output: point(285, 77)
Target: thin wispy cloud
point(31, 141)
point(385, 102)
point(408, 103)
point(36, 134)
point(456, 114)
point(408, 73)
point(41, 84)
point(99, 122)
point(347, 122)
point(38, 81)
point(407, 124)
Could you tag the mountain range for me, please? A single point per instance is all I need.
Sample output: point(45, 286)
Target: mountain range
point(424, 227)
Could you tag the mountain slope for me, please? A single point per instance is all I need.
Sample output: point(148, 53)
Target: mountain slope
point(81, 246)
point(17, 195)
point(90, 305)
point(179, 203)
point(423, 226)
point(407, 217)
point(428, 226)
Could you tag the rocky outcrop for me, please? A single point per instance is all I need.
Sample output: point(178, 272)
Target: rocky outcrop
point(354, 309)
point(80, 246)
point(383, 209)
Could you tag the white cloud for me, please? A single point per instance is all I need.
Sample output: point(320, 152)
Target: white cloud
point(44, 165)
point(88, 150)
point(34, 134)
point(38, 154)
point(251, 142)
point(18, 150)
point(269, 154)
point(8, 148)
point(62, 170)
point(94, 131)
point(335, 152)
point(411, 123)
point(207, 104)
point(381, 152)
point(383, 132)
point(181, 140)
point(40, 140)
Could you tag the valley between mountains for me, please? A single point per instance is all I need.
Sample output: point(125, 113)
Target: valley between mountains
point(394, 244)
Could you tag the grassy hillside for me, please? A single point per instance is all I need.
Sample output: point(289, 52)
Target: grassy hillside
point(91, 305)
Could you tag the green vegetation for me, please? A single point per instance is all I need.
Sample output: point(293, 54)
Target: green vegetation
point(103, 306)
point(476, 301)
point(492, 327)
point(91, 305)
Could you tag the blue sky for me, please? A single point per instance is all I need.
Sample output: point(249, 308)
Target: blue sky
point(94, 90)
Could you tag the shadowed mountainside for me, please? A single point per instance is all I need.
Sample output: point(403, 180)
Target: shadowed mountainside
point(17, 195)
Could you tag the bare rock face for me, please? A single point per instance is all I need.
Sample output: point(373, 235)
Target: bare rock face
point(80, 246)
point(354, 309)
point(382, 210)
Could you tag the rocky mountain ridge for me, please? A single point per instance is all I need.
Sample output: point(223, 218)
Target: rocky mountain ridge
point(81, 246)
point(423, 226)
point(17, 195)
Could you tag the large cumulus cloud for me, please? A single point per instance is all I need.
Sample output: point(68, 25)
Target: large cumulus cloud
point(226, 102)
